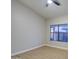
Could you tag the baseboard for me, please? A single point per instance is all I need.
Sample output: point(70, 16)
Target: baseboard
point(13, 54)
point(56, 47)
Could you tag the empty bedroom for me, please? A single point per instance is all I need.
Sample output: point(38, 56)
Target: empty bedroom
point(39, 29)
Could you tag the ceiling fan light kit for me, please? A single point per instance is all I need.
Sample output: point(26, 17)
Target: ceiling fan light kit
point(49, 1)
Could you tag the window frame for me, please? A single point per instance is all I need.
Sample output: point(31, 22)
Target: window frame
point(58, 25)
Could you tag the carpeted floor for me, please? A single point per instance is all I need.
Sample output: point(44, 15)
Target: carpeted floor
point(44, 53)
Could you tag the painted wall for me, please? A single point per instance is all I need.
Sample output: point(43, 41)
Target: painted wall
point(59, 20)
point(28, 28)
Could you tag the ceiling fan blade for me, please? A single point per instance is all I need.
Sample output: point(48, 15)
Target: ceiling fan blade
point(56, 2)
point(46, 5)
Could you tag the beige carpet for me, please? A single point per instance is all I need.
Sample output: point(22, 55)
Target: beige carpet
point(44, 53)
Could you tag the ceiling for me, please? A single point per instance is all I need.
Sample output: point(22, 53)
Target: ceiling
point(51, 11)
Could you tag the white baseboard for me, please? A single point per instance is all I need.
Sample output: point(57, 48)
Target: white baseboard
point(56, 47)
point(13, 54)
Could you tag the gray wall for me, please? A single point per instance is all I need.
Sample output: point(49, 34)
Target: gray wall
point(28, 29)
point(58, 20)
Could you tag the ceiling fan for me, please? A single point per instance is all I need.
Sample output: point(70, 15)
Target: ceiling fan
point(52, 1)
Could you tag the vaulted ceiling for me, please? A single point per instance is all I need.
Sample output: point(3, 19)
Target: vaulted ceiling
point(51, 11)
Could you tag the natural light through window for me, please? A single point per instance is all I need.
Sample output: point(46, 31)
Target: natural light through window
point(59, 32)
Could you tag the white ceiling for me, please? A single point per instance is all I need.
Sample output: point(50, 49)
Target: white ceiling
point(47, 12)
